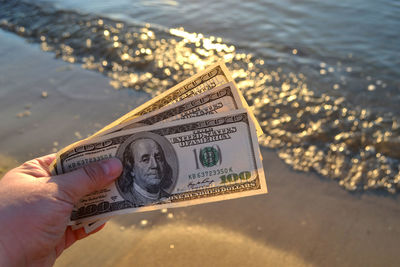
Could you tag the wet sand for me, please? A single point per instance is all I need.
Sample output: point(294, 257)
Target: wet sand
point(304, 220)
point(47, 103)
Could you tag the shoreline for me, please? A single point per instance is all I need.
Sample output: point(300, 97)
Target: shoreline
point(304, 220)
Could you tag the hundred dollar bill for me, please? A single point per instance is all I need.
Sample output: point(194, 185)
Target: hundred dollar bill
point(217, 100)
point(174, 164)
point(208, 79)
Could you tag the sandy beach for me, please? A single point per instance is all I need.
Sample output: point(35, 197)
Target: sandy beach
point(304, 220)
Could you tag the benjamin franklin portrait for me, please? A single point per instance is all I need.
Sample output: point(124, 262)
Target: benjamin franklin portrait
point(150, 168)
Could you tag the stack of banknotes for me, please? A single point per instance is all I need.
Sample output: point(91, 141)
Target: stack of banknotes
point(195, 143)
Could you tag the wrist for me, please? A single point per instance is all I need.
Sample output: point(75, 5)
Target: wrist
point(5, 259)
point(10, 255)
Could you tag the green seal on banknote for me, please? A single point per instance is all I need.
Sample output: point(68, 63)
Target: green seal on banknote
point(209, 156)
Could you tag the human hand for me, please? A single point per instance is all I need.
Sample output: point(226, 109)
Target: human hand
point(35, 208)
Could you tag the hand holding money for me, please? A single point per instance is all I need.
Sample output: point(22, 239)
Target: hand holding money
point(193, 144)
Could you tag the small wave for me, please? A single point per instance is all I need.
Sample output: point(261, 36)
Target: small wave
point(312, 130)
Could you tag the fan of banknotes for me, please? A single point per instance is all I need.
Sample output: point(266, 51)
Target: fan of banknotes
point(195, 143)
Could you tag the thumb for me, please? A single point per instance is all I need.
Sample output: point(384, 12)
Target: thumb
point(92, 177)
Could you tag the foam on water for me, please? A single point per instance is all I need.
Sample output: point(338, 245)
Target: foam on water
point(312, 130)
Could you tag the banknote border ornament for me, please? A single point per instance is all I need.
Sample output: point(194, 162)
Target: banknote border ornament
point(185, 91)
point(170, 158)
point(217, 191)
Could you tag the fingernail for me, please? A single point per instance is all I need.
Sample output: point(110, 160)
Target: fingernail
point(111, 166)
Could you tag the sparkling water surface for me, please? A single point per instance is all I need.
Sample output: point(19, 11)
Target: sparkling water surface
point(322, 77)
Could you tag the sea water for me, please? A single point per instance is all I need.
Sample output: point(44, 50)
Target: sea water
point(322, 77)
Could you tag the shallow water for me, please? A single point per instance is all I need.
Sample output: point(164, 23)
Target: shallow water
point(322, 78)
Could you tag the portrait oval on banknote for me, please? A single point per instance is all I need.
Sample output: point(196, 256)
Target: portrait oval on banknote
point(150, 168)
